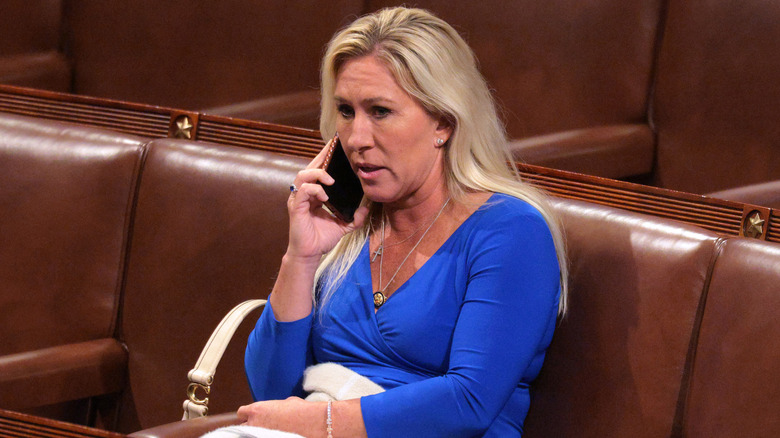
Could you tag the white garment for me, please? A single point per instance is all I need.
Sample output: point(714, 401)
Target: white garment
point(323, 382)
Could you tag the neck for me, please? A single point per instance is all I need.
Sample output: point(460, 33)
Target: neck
point(403, 219)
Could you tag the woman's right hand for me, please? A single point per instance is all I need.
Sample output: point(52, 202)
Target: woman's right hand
point(314, 231)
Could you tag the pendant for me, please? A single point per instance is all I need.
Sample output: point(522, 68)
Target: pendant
point(379, 299)
point(377, 253)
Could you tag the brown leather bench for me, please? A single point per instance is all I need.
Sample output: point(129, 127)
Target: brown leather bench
point(66, 200)
point(664, 319)
point(210, 224)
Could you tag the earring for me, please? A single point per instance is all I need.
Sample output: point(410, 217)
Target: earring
point(439, 141)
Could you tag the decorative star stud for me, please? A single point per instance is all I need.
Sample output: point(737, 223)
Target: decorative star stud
point(754, 226)
point(183, 128)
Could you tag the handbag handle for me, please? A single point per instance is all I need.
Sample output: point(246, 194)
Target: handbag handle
point(202, 376)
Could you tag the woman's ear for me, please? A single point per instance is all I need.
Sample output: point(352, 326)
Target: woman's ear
point(443, 132)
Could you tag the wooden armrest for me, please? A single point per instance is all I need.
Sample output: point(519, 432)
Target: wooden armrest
point(62, 373)
point(188, 428)
point(616, 151)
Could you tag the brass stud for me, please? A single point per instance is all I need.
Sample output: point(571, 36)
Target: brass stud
point(754, 225)
point(183, 128)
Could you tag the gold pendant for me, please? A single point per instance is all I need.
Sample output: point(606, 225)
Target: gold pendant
point(379, 299)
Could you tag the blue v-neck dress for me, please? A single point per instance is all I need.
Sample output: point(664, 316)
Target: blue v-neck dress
point(455, 347)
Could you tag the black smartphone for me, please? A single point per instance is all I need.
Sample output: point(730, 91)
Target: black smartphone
point(345, 194)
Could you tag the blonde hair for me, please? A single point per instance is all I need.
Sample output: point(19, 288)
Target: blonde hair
point(433, 64)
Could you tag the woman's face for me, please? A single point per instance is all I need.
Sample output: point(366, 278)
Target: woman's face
point(389, 138)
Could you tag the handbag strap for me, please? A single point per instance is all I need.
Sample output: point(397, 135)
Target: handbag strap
point(202, 376)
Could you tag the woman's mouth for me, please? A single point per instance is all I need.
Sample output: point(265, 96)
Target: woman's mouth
point(368, 171)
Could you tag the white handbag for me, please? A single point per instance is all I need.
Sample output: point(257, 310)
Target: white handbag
point(202, 376)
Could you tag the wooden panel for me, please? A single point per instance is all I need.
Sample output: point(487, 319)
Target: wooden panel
point(286, 140)
point(14, 424)
point(720, 216)
point(773, 232)
point(118, 116)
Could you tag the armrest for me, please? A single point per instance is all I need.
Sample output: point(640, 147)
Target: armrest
point(62, 373)
point(765, 194)
point(294, 109)
point(616, 151)
point(189, 428)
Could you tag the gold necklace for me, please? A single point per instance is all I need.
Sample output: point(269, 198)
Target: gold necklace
point(379, 296)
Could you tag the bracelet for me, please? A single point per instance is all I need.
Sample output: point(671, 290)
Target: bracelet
point(329, 421)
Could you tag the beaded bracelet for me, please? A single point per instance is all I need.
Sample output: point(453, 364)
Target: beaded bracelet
point(329, 421)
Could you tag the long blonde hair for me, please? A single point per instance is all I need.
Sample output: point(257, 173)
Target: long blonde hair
point(433, 64)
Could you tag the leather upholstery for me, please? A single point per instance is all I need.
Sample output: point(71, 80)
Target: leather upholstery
point(559, 65)
point(715, 106)
point(701, 75)
point(30, 43)
point(200, 55)
point(208, 220)
point(62, 373)
point(735, 386)
point(618, 151)
point(764, 194)
point(670, 329)
point(293, 109)
point(616, 363)
point(29, 26)
point(43, 70)
point(66, 197)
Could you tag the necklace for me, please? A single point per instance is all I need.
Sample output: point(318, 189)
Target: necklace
point(379, 296)
point(382, 245)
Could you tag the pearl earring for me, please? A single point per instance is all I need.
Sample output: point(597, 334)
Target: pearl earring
point(439, 141)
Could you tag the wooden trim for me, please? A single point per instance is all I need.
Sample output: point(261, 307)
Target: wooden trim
point(720, 216)
point(18, 424)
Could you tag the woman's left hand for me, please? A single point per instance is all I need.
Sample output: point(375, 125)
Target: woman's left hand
point(291, 415)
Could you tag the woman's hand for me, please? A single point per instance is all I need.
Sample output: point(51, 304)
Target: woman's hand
point(313, 231)
point(291, 415)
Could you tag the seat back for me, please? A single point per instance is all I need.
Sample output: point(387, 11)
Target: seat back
point(616, 362)
point(735, 384)
point(184, 54)
point(561, 64)
point(66, 194)
point(715, 106)
point(210, 229)
point(30, 45)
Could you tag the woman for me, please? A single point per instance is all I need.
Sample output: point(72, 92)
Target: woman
point(445, 288)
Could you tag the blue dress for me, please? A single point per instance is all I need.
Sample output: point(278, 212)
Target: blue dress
point(456, 346)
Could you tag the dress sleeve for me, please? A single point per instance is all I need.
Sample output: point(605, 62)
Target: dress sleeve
point(503, 329)
point(276, 355)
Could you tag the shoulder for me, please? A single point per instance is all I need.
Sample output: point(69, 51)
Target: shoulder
point(509, 222)
point(505, 209)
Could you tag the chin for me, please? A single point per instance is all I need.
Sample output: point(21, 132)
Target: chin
point(378, 196)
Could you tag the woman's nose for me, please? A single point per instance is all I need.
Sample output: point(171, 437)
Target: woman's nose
point(359, 135)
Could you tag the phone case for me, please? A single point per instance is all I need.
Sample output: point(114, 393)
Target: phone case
point(345, 194)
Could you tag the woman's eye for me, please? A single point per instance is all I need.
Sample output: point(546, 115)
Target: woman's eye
point(346, 111)
point(381, 112)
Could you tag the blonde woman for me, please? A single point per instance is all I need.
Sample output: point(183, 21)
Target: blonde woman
point(446, 287)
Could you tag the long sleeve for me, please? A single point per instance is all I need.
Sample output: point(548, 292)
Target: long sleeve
point(276, 355)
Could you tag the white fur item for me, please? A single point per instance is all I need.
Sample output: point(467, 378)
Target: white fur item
point(324, 382)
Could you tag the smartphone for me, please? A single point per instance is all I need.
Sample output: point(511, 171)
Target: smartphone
point(345, 194)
